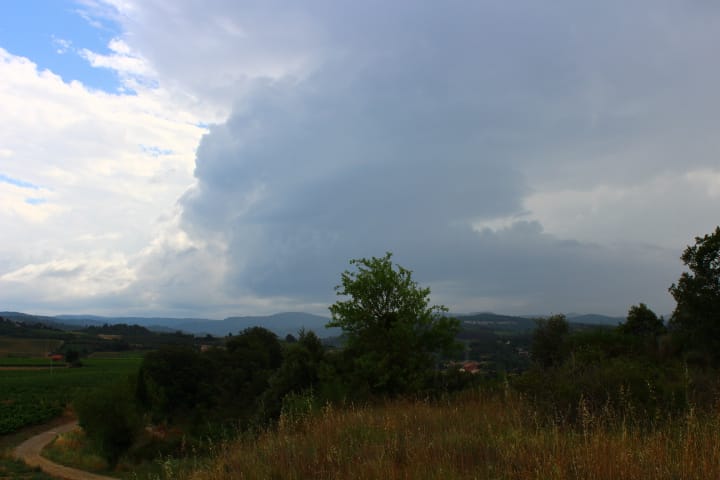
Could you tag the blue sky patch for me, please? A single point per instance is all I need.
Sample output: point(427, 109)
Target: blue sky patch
point(155, 151)
point(51, 32)
point(35, 201)
point(17, 183)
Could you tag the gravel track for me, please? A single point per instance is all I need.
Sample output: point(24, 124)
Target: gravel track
point(29, 452)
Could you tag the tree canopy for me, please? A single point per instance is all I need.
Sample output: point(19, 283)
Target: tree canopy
point(697, 293)
point(548, 343)
point(394, 335)
point(642, 322)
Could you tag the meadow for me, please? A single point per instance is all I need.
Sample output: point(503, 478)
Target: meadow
point(35, 396)
point(473, 436)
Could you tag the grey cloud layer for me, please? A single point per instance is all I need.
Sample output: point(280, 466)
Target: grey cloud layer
point(361, 127)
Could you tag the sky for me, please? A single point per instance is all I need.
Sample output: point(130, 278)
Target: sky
point(224, 157)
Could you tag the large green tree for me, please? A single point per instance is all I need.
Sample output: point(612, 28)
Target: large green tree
point(697, 315)
point(394, 336)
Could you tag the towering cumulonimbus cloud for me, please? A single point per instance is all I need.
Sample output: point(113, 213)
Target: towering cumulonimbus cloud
point(417, 128)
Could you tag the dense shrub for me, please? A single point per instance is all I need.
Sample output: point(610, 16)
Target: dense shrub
point(110, 419)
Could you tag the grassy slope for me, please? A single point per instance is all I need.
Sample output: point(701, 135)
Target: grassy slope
point(473, 437)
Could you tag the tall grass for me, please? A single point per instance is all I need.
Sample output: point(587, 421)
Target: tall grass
point(496, 436)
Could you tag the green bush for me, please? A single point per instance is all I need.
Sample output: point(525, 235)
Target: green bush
point(628, 387)
point(110, 418)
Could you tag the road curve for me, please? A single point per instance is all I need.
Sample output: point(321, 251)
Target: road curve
point(29, 452)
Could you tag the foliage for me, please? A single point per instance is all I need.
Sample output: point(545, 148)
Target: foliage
point(393, 336)
point(621, 385)
point(74, 449)
point(180, 385)
point(149, 458)
point(245, 368)
point(257, 348)
point(300, 371)
point(604, 369)
point(73, 358)
point(642, 322)
point(176, 384)
point(697, 315)
point(26, 326)
point(600, 344)
point(110, 419)
point(548, 344)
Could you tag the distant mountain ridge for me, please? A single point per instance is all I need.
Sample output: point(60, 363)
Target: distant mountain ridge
point(585, 318)
point(281, 324)
point(594, 319)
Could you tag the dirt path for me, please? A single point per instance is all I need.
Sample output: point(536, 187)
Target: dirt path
point(29, 452)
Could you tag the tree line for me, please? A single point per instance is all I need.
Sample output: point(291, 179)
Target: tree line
point(395, 344)
point(646, 364)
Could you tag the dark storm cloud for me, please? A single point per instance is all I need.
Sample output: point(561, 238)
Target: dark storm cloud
point(410, 121)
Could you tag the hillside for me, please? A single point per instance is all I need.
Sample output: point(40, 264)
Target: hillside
point(282, 324)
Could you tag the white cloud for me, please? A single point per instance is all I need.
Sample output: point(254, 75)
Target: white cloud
point(132, 68)
point(98, 194)
point(665, 210)
point(62, 46)
point(18, 205)
point(72, 278)
point(707, 180)
point(211, 54)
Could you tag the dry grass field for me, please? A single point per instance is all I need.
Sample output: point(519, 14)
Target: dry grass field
point(474, 437)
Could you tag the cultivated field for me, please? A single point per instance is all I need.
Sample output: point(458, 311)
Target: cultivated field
point(34, 396)
point(27, 347)
point(35, 362)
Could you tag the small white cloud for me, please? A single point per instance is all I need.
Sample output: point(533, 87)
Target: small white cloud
point(133, 69)
point(62, 46)
point(499, 224)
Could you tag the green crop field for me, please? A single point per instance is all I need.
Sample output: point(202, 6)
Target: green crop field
point(30, 397)
point(29, 362)
point(125, 354)
point(27, 347)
